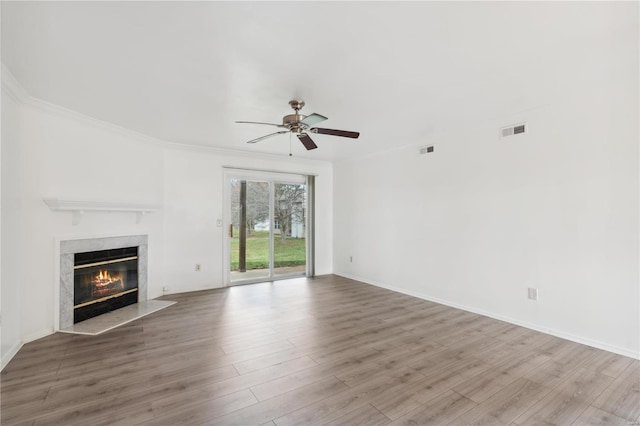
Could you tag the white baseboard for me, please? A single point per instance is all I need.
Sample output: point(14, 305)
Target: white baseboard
point(558, 333)
point(9, 355)
point(191, 288)
point(37, 335)
point(15, 348)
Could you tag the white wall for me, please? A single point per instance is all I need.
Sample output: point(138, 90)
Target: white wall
point(51, 152)
point(481, 219)
point(61, 156)
point(194, 201)
point(11, 336)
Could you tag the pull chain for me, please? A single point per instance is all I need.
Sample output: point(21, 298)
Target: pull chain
point(290, 154)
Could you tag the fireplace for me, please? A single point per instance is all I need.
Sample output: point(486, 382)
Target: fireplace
point(103, 281)
point(98, 275)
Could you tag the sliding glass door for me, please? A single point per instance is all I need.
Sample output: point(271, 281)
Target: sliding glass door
point(289, 230)
point(249, 229)
point(267, 227)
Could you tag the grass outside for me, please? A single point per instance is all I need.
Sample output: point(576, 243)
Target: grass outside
point(290, 252)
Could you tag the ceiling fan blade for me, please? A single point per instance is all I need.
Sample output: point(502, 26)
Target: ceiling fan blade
point(314, 118)
point(268, 136)
point(307, 141)
point(259, 122)
point(332, 132)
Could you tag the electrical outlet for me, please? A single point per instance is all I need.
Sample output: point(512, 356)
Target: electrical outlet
point(533, 293)
point(197, 267)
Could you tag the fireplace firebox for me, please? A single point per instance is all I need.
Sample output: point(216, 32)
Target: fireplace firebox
point(103, 281)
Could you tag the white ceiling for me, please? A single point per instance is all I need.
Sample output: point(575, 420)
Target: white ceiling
point(400, 73)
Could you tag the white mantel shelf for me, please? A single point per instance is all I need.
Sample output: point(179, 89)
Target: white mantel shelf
point(80, 207)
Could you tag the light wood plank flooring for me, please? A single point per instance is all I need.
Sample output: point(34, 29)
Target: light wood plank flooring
point(327, 350)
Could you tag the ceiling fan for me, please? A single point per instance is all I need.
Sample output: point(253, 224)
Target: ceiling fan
point(301, 126)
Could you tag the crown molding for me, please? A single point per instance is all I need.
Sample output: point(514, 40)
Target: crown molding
point(73, 115)
point(12, 87)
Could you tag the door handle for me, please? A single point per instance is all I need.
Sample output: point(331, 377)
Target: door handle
point(231, 231)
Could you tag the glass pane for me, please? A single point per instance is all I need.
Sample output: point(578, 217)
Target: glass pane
point(289, 217)
point(250, 249)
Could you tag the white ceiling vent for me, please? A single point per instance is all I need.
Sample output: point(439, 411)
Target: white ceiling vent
point(514, 129)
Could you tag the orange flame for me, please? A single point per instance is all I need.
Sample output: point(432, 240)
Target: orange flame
point(104, 278)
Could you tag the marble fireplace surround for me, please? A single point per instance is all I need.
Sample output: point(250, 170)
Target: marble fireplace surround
point(69, 247)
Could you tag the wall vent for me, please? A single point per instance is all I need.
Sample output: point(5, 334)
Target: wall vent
point(514, 129)
point(426, 149)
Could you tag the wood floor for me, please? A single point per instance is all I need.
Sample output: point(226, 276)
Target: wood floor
point(316, 351)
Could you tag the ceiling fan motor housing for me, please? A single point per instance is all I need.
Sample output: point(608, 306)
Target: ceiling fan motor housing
point(293, 120)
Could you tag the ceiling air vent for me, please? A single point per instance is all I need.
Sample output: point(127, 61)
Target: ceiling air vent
point(426, 149)
point(514, 129)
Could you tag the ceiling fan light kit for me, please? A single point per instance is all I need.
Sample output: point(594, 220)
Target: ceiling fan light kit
point(300, 124)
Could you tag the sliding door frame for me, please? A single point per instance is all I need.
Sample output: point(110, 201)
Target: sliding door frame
point(272, 178)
